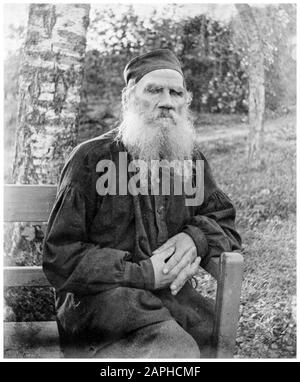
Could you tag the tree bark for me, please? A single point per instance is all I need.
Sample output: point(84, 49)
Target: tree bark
point(256, 84)
point(50, 79)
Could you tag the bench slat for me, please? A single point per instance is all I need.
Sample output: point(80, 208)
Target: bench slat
point(25, 276)
point(28, 203)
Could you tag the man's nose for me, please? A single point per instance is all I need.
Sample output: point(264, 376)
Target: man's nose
point(166, 101)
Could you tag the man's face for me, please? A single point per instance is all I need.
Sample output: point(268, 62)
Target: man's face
point(161, 95)
point(157, 122)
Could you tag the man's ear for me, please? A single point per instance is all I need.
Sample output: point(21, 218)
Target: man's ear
point(126, 93)
point(125, 97)
point(189, 97)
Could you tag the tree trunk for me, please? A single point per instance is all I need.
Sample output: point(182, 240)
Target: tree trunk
point(256, 84)
point(50, 79)
point(49, 90)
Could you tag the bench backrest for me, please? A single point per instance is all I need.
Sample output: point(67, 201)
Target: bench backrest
point(27, 203)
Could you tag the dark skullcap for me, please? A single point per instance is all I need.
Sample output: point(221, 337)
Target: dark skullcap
point(154, 60)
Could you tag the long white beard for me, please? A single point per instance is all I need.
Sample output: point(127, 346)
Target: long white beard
point(159, 141)
point(150, 138)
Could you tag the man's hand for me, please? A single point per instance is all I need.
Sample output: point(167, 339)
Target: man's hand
point(175, 262)
point(161, 279)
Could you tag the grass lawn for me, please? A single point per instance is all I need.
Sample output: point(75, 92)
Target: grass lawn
point(266, 218)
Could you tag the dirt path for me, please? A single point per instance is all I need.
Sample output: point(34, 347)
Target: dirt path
point(222, 134)
point(273, 130)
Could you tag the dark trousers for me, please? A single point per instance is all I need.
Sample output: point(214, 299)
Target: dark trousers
point(161, 340)
point(132, 323)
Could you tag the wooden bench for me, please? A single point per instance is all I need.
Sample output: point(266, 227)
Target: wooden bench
point(30, 203)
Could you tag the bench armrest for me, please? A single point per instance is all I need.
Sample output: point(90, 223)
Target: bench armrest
point(212, 267)
point(228, 271)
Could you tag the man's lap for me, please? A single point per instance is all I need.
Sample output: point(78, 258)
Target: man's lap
point(111, 314)
point(114, 315)
point(160, 340)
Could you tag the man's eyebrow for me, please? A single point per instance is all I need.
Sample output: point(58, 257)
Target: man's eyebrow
point(178, 88)
point(153, 85)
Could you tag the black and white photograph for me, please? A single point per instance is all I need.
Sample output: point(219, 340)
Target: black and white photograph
point(149, 181)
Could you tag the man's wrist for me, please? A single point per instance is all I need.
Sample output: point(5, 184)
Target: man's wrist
point(148, 274)
point(139, 275)
point(199, 239)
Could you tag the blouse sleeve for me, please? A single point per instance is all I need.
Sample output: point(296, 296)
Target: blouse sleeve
point(73, 264)
point(213, 226)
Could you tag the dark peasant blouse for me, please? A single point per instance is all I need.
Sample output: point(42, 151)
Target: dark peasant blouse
point(97, 248)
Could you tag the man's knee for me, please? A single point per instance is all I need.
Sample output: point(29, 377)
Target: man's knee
point(161, 340)
point(172, 341)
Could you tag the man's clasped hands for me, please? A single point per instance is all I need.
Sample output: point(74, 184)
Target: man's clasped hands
point(175, 262)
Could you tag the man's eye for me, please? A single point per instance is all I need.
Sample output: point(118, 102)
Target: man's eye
point(175, 93)
point(154, 90)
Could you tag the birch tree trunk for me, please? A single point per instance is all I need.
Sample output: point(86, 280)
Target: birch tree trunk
point(50, 79)
point(256, 85)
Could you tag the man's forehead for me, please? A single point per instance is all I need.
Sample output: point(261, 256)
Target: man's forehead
point(162, 77)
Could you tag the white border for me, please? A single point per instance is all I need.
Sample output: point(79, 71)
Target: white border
point(1, 193)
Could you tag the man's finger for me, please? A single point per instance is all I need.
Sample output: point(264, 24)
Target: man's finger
point(165, 254)
point(185, 260)
point(176, 259)
point(169, 243)
point(185, 275)
point(178, 283)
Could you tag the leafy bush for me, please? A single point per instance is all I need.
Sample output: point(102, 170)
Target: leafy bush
point(211, 62)
point(20, 302)
point(213, 66)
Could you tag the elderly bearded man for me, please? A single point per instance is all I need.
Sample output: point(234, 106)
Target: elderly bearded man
point(121, 264)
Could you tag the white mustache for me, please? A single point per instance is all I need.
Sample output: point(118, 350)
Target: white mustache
point(166, 113)
point(152, 136)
